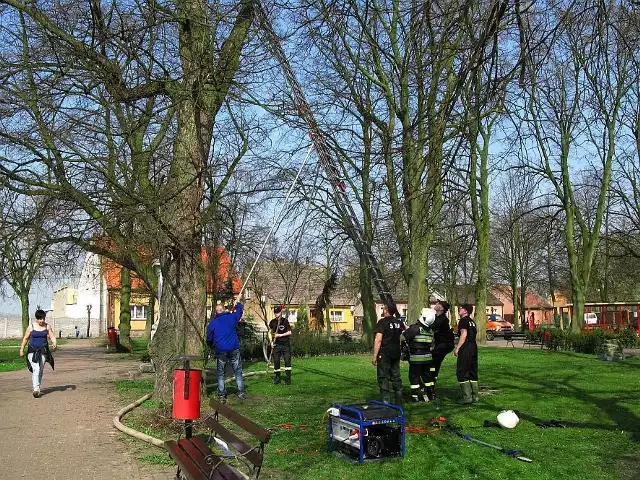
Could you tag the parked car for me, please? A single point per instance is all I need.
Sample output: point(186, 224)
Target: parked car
point(498, 327)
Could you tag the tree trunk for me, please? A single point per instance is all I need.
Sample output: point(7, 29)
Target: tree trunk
point(578, 296)
point(482, 284)
point(179, 329)
point(125, 309)
point(367, 300)
point(417, 285)
point(151, 315)
point(24, 310)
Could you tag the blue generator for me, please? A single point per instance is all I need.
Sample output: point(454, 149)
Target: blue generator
point(372, 431)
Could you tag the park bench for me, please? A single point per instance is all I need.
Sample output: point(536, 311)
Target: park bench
point(196, 461)
point(511, 337)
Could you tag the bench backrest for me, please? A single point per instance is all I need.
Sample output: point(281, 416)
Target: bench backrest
point(253, 454)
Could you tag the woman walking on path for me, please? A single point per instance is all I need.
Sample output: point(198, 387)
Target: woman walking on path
point(38, 350)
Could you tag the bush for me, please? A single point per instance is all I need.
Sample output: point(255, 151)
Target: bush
point(590, 342)
point(311, 344)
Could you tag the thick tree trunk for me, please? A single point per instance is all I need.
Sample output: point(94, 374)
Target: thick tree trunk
point(24, 310)
point(179, 329)
point(125, 309)
point(367, 300)
point(417, 285)
point(578, 297)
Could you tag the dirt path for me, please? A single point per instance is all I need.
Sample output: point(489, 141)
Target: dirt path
point(67, 434)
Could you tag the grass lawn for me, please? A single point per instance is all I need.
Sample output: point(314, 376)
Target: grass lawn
point(10, 358)
point(140, 349)
point(598, 401)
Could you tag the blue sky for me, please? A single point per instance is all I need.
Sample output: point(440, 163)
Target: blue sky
point(41, 293)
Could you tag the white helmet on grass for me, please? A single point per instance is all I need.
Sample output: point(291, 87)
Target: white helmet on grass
point(508, 419)
point(427, 317)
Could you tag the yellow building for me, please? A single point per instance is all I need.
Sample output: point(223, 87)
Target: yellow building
point(141, 295)
point(293, 287)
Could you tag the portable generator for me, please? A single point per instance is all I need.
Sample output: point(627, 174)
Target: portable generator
point(371, 431)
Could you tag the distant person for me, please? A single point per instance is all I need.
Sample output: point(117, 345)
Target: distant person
point(280, 334)
point(222, 332)
point(386, 354)
point(467, 353)
point(77, 331)
point(443, 338)
point(493, 317)
point(38, 351)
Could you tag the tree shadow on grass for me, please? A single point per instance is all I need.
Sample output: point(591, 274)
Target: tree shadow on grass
point(623, 418)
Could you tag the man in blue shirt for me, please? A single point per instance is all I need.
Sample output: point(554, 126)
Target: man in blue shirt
point(222, 331)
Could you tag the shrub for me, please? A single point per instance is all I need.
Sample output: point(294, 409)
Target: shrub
point(590, 342)
point(311, 344)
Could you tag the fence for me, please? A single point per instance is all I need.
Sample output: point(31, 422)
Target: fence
point(11, 326)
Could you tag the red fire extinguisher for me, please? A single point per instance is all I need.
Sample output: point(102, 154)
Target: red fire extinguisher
point(186, 393)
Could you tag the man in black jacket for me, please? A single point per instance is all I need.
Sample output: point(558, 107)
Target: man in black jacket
point(280, 333)
point(386, 354)
point(443, 338)
point(467, 353)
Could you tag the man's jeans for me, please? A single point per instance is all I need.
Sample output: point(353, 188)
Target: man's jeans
point(236, 362)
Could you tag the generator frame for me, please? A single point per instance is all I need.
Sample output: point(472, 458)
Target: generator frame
point(356, 418)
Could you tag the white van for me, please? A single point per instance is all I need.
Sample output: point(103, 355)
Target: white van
point(590, 318)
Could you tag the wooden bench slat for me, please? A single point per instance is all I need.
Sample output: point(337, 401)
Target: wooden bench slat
point(222, 471)
point(228, 470)
point(256, 430)
point(184, 461)
point(237, 443)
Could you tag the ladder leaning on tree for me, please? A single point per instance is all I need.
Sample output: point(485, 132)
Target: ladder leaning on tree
point(330, 166)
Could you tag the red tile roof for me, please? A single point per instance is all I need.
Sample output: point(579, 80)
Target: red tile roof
point(218, 284)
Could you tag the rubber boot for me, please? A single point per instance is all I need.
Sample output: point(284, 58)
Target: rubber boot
point(276, 380)
point(385, 397)
point(474, 391)
point(399, 399)
point(466, 394)
point(431, 393)
point(287, 378)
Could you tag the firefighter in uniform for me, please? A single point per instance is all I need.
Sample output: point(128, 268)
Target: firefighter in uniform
point(443, 338)
point(279, 334)
point(386, 354)
point(421, 368)
point(467, 353)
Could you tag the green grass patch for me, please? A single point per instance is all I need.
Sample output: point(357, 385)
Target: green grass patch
point(140, 350)
point(598, 401)
point(15, 342)
point(10, 359)
point(159, 458)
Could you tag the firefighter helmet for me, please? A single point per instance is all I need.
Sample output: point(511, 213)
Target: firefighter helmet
point(427, 317)
point(508, 419)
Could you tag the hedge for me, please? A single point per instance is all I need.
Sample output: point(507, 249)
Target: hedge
point(582, 342)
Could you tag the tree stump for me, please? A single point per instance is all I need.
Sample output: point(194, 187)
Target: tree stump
point(611, 351)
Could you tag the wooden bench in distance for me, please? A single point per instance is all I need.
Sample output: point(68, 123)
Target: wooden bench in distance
point(510, 337)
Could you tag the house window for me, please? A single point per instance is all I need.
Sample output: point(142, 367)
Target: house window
point(336, 316)
point(138, 312)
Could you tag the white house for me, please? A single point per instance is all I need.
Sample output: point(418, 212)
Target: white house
point(81, 303)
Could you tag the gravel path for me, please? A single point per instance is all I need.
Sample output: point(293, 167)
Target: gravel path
point(67, 434)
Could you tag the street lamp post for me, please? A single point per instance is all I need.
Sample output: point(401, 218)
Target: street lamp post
point(88, 319)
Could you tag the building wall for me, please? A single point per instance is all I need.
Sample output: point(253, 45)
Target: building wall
point(137, 299)
point(72, 302)
point(11, 326)
point(252, 308)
